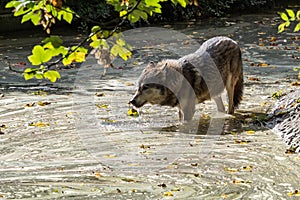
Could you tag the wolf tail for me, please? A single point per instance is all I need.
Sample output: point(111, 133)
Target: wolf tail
point(238, 89)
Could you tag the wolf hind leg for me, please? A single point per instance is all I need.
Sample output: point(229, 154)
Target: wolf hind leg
point(231, 82)
point(220, 105)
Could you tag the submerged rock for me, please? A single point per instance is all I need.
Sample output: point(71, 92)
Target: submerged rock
point(285, 119)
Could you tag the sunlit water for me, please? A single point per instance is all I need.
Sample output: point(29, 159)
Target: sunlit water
point(84, 146)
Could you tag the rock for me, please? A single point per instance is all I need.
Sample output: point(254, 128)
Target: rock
point(285, 119)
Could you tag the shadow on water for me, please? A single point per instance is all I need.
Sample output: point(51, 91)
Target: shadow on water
point(242, 121)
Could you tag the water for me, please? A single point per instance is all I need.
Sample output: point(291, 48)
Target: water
point(84, 146)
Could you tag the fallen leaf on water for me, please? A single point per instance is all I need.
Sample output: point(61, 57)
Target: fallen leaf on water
point(253, 79)
point(263, 64)
point(99, 94)
point(273, 39)
point(40, 103)
point(296, 83)
point(291, 150)
point(176, 189)
point(250, 132)
point(128, 179)
point(97, 174)
point(168, 194)
point(247, 168)
point(102, 105)
point(259, 64)
point(240, 181)
point(132, 112)
point(294, 193)
point(228, 169)
point(242, 141)
point(109, 156)
point(40, 93)
point(29, 105)
point(39, 124)
point(3, 126)
point(145, 146)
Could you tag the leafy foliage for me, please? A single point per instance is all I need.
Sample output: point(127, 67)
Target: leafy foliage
point(46, 12)
point(288, 17)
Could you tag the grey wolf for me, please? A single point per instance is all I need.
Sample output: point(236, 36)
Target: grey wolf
point(194, 78)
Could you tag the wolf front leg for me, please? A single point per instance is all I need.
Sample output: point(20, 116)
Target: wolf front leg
point(186, 109)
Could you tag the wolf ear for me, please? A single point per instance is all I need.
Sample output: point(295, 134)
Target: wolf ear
point(164, 66)
point(151, 64)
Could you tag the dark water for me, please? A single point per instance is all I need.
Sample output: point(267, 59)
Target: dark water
point(84, 146)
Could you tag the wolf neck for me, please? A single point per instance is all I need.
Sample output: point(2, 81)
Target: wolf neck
point(194, 78)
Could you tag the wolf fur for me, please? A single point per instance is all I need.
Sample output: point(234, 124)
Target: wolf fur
point(194, 78)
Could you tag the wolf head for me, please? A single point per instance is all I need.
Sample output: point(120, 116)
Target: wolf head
point(158, 84)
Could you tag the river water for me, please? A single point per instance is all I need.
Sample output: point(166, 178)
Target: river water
point(74, 140)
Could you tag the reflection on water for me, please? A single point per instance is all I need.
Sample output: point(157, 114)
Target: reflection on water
point(83, 146)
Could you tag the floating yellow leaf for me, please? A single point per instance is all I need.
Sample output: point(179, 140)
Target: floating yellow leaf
point(40, 103)
point(250, 132)
point(294, 193)
point(3, 126)
point(97, 174)
point(168, 194)
point(102, 105)
point(39, 124)
point(110, 156)
point(296, 83)
point(240, 181)
point(247, 168)
point(231, 169)
point(132, 112)
point(253, 79)
point(177, 189)
point(145, 146)
point(29, 105)
point(242, 141)
point(263, 64)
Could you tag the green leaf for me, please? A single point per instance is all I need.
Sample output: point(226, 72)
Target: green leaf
point(28, 76)
point(284, 16)
point(55, 40)
point(36, 18)
point(181, 2)
point(52, 75)
point(121, 42)
point(291, 14)
point(297, 28)
point(68, 15)
point(26, 17)
point(39, 76)
point(39, 55)
point(133, 17)
point(95, 29)
point(281, 27)
point(12, 4)
point(298, 15)
point(123, 12)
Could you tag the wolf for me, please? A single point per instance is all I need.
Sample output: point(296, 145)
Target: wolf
point(194, 78)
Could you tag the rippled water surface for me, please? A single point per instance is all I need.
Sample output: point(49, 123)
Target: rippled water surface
point(74, 140)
